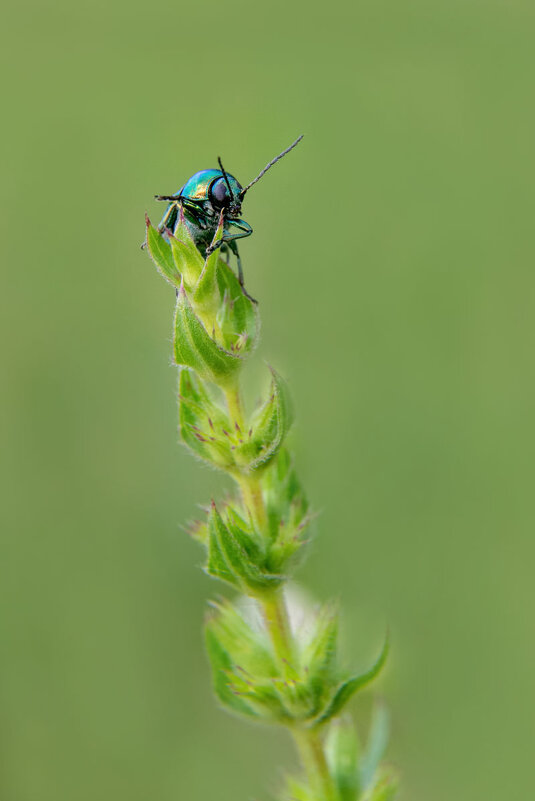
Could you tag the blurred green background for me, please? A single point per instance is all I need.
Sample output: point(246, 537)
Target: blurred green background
point(393, 258)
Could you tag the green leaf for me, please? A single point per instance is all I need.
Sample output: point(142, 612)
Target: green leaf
point(342, 749)
point(247, 644)
point(271, 423)
point(285, 554)
point(285, 498)
point(186, 255)
point(206, 292)
point(245, 536)
point(214, 452)
point(237, 560)
point(222, 666)
point(319, 655)
point(288, 514)
point(161, 254)
point(237, 316)
point(264, 697)
point(195, 348)
point(376, 745)
point(348, 688)
point(384, 789)
point(217, 566)
point(233, 555)
point(202, 422)
point(243, 665)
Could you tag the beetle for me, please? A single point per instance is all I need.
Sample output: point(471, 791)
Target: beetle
point(203, 198)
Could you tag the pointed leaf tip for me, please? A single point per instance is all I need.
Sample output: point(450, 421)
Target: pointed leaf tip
point(348, 688)
point(272, 422)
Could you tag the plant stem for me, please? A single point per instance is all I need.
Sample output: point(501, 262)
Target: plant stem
point(312, 755)
point(251, 491)
point(278, 626)
point(308, 741)
point(235, 404)
point(249, 484)
point(277, 622)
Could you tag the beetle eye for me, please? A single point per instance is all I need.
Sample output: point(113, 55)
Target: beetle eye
point(219, 192)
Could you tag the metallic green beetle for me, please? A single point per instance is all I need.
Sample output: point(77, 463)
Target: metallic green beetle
point(205, 196)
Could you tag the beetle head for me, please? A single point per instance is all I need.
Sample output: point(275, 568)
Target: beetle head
point(226, 193)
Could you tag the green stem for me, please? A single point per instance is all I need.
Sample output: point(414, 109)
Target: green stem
point(278, 626)
point(235, 404)
point(308, 741)
point(249, 484)
point(312, 755)
point(251, 491)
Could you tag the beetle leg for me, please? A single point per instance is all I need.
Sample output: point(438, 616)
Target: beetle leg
point(240, 268)
point(210, 249)
point(229, 240)
point(226, 250)
point(169, 218)
point(234, 247)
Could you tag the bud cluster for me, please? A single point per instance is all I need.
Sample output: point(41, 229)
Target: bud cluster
point(262, 670)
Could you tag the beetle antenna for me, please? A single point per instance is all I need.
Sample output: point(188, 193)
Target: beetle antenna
point(225, 176)
point(271, 163)
point(166, 197)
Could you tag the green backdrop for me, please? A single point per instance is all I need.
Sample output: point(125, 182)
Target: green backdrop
point(393, 259)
